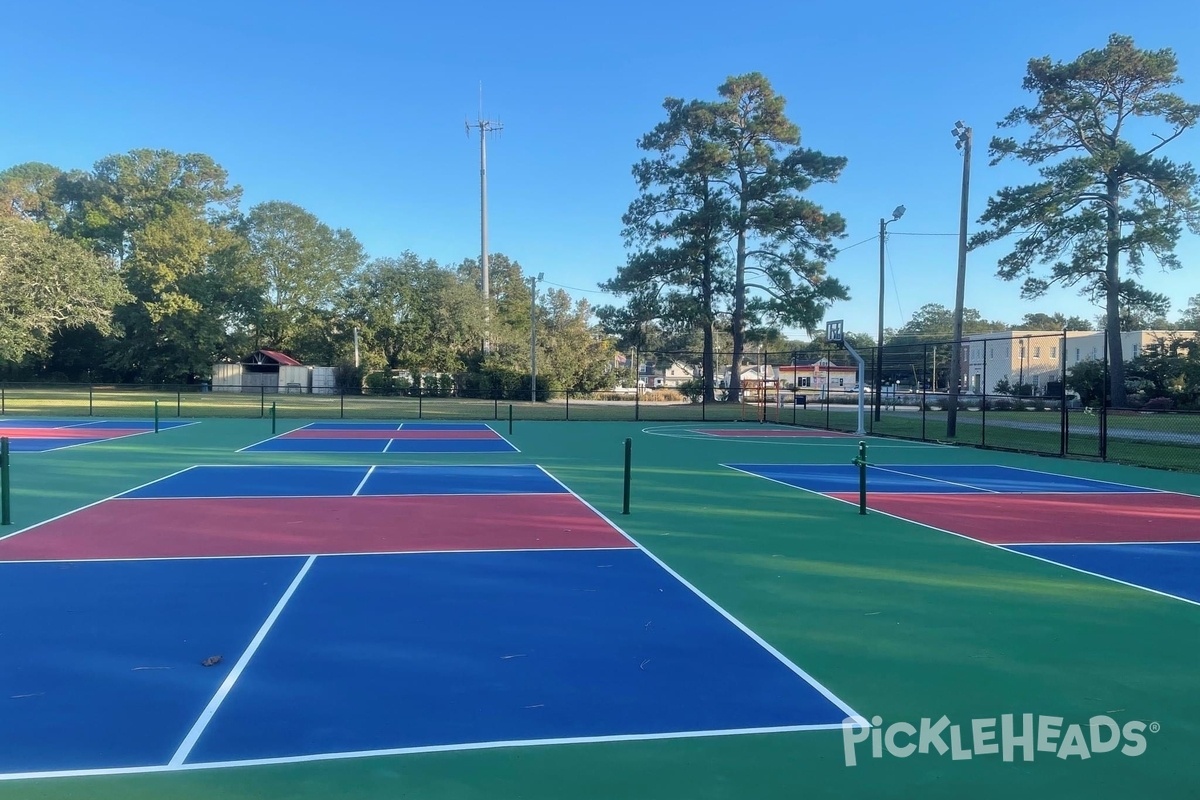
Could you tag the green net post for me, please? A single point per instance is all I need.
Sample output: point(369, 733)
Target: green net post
point(156, 416)
point(272, 417)
point(861, 463)
point(90, 389)
point(510, 419)
point(628, 471)
point(5, 504)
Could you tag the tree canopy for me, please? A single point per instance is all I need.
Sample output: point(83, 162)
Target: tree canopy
point(1097, 133)
point(721, 230)
point(50, 284)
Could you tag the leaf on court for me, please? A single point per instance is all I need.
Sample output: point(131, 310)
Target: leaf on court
point(211, 661)
point(514, 655)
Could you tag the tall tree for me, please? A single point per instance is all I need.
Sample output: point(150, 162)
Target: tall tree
point(1100, 196)
point(417, 315)
point(1038, 321)
point(782, 241)
point(50, 284)
point(28, 191)
point(166, 219)
point(678, 271)
point(574, 356)
point(1190, 319)
point(302, 266)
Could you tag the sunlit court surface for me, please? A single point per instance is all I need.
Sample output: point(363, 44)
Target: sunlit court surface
point(191, 614)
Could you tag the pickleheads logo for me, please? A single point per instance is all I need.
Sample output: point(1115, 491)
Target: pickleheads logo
point(1027, 734)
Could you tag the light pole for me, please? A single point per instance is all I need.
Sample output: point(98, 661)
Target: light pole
point(962, 137)
point(883, 223)
point(533, 282)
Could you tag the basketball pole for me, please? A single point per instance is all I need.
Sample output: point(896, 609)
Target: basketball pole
point(834, 334)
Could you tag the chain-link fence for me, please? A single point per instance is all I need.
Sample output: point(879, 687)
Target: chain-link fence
point(1037, 392)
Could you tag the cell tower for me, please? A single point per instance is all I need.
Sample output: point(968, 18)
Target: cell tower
point(485, 127)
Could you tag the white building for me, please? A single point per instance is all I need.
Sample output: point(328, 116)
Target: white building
point(1037, 357)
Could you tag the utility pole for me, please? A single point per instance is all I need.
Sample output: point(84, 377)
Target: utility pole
point(883, 223)
point(962, 136)
point(485, 127)
point(533, 282)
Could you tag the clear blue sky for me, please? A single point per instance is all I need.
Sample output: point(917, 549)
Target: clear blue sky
point(355, 110)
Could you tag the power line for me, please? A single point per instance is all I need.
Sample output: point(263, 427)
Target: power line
point(910, 233)
point(856, 244)
point(577, 289)
point(895, 288)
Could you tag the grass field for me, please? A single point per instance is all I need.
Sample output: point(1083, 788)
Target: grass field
point(901, 621)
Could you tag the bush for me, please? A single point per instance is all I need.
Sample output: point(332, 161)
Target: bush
point(381, 383)
point(500, 384)
point(1159, 404)
point(1002, 404)
point(348, 379)
point(693, 390)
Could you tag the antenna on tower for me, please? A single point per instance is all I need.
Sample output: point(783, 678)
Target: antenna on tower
point(485, 127)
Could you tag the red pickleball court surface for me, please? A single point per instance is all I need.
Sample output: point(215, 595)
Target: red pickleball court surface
point(1049, 518)
point(79, 433)
point(198, 528)
point(325, 433)
point(770, 433)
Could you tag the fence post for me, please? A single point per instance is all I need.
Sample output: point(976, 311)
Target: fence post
point(924, 386)
point(496, 408)
point(420, 404)
point(510, 419)
point(1104, 400)
point(262, 401)
point(5, 504)
point(983, 406)
point(178, 401)
point(342, 403)
point(568, 412)
point(1062, 352)
point(637, 402)
point(90, 399)
point(628, 471)
point(156, 416)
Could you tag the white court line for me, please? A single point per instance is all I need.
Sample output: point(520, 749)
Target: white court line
point(106, 439)
point(934, 480)
point(1091, 480)
point(273, 438)
point(89, 505)
point(492, 493)
point(400, 751)
point(853, 715)
point(362, 483)
point(854, 504)
point(206, 716)
point(1100, 544)
point(340, 554)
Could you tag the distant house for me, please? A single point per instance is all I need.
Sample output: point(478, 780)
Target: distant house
point(271, 372)
point(674, 375)
point(821, 375)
